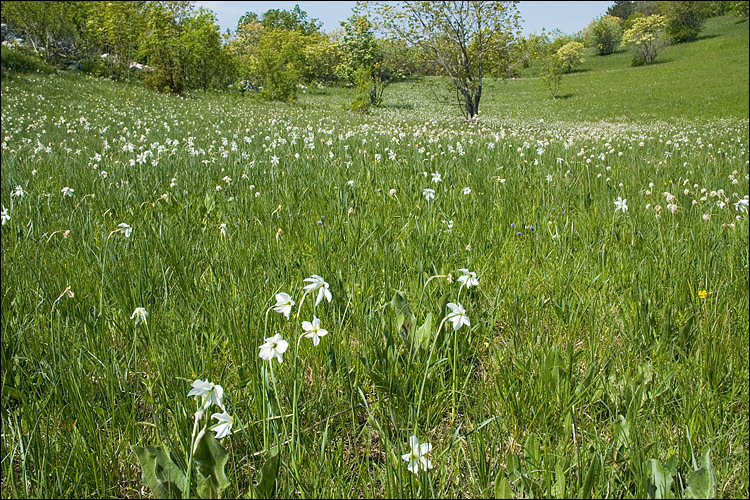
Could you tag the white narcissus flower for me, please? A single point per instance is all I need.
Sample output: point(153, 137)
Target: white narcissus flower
point(317, 283)
point(468, 277)
point(620, 204)
point(18, 191)
point(5, 216)
point(284, 304)
point(224, 427)
point(66, 191)
point(124, 229)
point(741, 205)
point(457, 316)
point(139, 314)
point(428, 193)
point(436, 177)
point(274, 347)
point(209, 392)
point(313, 330)
point(416, 457)
point(466, 190)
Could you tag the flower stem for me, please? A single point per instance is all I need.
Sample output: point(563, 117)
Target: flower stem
point(101, 288)
point(427, 368)
point(294, 401)
point(265, 322)
point(458, 298)
point(302, 301)
point(193, 445)
point(278, 402)
point(455, 355)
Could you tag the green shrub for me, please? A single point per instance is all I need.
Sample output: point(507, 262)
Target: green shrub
point(604, 34)
point(368, 90)
point(278, 63)
point(684, 19)
point(739, 9)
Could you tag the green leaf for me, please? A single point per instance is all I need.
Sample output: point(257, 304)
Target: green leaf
point(587, 201)
point(660, 483)
point(558, 489)
point(165, 479)
point(513, 464)
point(404, 316)
point(502, 486)
point(588, 482)
point(420, 336)
point(267, 482)
point(685, 337)
point(702, 482)
point(621, 431)
point(211, 459)
point(531, 452)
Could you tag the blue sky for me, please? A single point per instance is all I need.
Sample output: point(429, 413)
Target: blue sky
point(569, 17)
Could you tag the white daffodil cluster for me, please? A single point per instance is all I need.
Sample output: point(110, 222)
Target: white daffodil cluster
point(212, 394)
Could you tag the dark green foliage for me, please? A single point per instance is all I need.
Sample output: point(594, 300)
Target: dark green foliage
point(604, 34)
point(739, 9)
point(625, 9)
point(160, 49)
point(684, 19)
point(52, 29)
point(294, 20)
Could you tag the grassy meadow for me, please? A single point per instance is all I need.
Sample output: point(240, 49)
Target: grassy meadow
point(605, 347)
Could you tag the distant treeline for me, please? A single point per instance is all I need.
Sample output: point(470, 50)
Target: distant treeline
point(174, 46)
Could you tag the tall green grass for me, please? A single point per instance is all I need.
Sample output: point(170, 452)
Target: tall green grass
point(590, 351)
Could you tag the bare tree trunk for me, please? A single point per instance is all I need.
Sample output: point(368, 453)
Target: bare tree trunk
point(471, 101)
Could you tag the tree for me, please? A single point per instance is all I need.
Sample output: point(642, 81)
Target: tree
point(560, 62)
point(278, 64)
point(361, 64)
point(604, 34)
point(323, 55)
point(51, 28)
point(204, 62)
point(459, 35)
point(116, 28)
point(647, 36)
point(624, 9)
point(294, 20)
point(739, 9)
point(684, 19)
point(160, 49)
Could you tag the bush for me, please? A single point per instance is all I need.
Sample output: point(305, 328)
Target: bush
point(647, 37)
point(739, 9)
point(22, 59)
point(570, 55)
point(278, 63)
point(684, 19)
point(368, 90)
point(605, 34)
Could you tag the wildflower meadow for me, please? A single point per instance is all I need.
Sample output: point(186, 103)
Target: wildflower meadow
point(210, 295)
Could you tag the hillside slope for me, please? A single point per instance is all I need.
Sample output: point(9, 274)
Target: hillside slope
point(705, 79)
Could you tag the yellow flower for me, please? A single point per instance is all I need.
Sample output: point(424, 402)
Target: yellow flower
point(702, 294)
